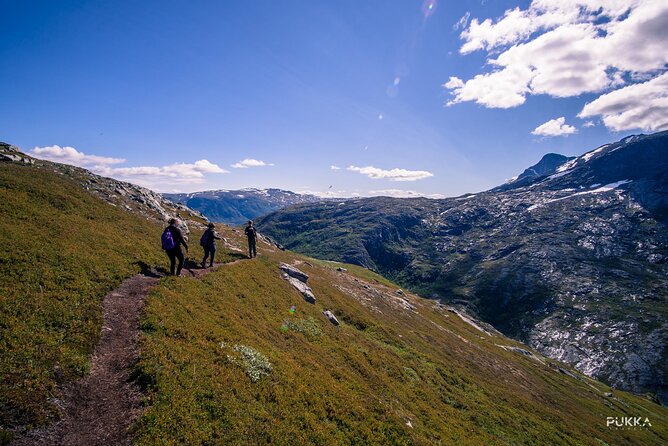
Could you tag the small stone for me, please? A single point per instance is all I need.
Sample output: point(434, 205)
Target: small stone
point(329, 315)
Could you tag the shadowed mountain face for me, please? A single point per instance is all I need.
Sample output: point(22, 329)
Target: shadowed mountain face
point(236, 207)
point(572, 260)
point(546, 166)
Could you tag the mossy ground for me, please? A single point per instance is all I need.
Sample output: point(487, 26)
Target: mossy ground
point(62, 251)
point(385, 376)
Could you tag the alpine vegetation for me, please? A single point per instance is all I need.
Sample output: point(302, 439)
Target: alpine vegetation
point(254, 363)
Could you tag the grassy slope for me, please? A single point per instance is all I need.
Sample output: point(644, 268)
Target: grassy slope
point(357, 384)
point(63, 249)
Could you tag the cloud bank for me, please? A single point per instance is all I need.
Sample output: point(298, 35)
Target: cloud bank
point(393, 174)
point(566, 48)
point(70, 155)
point(149, 176)
point(250, 162)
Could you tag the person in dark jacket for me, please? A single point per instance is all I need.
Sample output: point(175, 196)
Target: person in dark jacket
point(176, 252)
point(208, 242)
point(251, 233)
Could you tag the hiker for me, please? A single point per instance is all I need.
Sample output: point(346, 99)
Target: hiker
point(208, 242)
point(172, 239)
point(251, 233)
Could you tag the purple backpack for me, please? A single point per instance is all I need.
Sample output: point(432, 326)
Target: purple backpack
point(168, 240)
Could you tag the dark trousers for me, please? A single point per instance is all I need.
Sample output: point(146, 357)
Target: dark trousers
point(252, 252)
point(209, 251)
point(175, 254)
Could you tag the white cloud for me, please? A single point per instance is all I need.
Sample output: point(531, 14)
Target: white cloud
point(562, 49)
point(639, 106)
point(156, 177)
point(554, 127)
point(500, 89)
point(392, 174)
point(589, 124)
point(178, 170)
point(461, 23)
point(398, 193)
point(70, 155)
point(250, 162)
point(333, 167)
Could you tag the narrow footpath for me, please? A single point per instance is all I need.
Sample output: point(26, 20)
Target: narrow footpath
point(100, 408)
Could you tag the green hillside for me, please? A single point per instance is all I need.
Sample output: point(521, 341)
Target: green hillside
point(238, 356)
point(63, 250)
point(225, 361)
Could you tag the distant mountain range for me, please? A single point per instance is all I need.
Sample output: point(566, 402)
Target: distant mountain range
point(570, 257)
point(235, 207)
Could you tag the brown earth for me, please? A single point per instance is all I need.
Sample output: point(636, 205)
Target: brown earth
point(100, 408)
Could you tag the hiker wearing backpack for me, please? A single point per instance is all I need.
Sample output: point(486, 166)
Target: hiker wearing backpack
point(251, 233)
point(208, 242)
point(172, 239)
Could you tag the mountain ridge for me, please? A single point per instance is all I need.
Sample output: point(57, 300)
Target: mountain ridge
point(238, 206)
point(555, 260)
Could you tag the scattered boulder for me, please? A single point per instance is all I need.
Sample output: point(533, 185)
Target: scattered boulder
point(294, 272)
point(521, 351)
point(306, 291)
point(400, 292)
point(343, 270)
point(329, 315)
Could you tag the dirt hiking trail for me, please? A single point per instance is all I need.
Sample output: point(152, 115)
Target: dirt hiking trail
point(100, 408)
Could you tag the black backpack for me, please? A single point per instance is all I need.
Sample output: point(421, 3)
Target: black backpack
point(205, 239)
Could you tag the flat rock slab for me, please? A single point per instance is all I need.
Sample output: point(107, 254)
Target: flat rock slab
point(293, 272)
point(306, 291)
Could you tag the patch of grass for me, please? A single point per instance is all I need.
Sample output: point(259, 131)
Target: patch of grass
point(254, 363)
point(309, 326)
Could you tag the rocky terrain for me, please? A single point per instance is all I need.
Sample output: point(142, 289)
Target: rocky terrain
point(128, 196)
point(235, 207)
point(571, 257)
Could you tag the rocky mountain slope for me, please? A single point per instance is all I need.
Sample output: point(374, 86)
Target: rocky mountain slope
point(235, 207)
point(130, 197)
point(282, 349)
point(573, 260)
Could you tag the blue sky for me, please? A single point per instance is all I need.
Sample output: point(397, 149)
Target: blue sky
point(385, 90)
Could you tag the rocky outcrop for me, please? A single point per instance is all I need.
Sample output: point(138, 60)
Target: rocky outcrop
point(293, 272)
point(128, 196)
point(12, 154)
point(304, 289)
